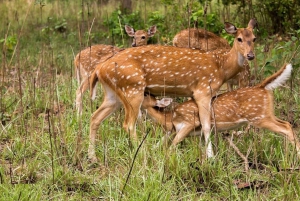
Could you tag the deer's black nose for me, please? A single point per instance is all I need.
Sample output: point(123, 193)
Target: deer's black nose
point(250, 56)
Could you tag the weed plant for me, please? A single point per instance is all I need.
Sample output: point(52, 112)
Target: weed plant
point(40, 157)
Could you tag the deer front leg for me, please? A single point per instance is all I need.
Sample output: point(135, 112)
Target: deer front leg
point(204, 105)
point(182, 133)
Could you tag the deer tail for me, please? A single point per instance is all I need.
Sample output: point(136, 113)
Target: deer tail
point(93, 81)
point(278, 78)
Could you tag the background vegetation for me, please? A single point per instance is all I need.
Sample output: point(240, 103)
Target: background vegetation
point(39, 129)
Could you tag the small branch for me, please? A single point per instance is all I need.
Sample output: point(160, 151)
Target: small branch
point(131, 167)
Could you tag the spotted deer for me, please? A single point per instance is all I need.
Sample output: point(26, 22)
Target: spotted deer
point(87, 59)
point(250, 105)
point(167, 70)
point(208, 41)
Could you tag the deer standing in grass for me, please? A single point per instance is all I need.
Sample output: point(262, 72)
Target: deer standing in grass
point(87, 59)
point(251, 105)
point(208, 41)
point(167, 70)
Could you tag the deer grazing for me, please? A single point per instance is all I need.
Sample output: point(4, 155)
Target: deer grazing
point(250, 105)
point(167, 70)
point(208, 41)
point(87, 59)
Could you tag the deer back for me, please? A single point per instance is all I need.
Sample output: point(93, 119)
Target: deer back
point(88, 58)
point(200, 39)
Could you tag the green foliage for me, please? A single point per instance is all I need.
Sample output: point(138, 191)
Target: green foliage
point(279, 15)
point(158, 19)
point(9, 44)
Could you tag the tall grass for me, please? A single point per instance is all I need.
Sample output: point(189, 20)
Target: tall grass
point(39, 128)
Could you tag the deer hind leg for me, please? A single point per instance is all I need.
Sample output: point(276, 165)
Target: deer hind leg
point(132, 107)
point(110, 104)
point(282, 127)
point(79, 93)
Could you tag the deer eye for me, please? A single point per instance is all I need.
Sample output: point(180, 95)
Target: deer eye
point(240, 40)
point(143, 37)
point(254, 39)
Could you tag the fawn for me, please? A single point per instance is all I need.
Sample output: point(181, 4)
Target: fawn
point(208, 41)
point(87, 59)
point(250, 105)
point(167, 70)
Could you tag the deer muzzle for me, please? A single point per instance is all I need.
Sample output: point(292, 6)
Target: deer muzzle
point(250, 56)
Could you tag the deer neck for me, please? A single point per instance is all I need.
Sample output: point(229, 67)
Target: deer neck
point(162, 118)
point(233, 63)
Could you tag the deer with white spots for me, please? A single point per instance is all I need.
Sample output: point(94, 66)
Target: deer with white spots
point(250, 105)
point(167, 70)
point(87, 59)
point(208, 41)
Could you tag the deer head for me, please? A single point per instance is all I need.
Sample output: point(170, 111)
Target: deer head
point(140, 37)
point(244, 38)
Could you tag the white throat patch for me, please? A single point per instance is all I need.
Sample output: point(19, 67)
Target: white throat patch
point(241, 59)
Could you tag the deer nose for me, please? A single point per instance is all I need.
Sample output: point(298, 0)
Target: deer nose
point(250, 56)
point(133, 45)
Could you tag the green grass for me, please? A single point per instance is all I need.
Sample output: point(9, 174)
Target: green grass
point(40, 129)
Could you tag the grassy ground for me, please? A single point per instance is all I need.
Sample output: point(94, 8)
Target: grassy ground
point(39, 130)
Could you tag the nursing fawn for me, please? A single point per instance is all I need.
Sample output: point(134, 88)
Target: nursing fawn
point(250, 105)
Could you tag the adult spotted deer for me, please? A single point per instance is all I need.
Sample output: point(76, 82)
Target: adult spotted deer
point(208, 41)
point(167, 70)
point(250, 105)
point(87, 59)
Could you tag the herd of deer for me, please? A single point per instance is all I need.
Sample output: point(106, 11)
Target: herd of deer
point(197, 65)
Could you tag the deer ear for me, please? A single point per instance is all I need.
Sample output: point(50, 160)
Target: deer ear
point(252, 24)
point(129, 30)
point(152, 31)
point(164, 102)
point(230, 28)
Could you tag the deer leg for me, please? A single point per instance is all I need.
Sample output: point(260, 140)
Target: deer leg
point(282, 127)
point(79, 92)
point(109, 105)
point(132, 110)
point(182, 133)
point(204, 104)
